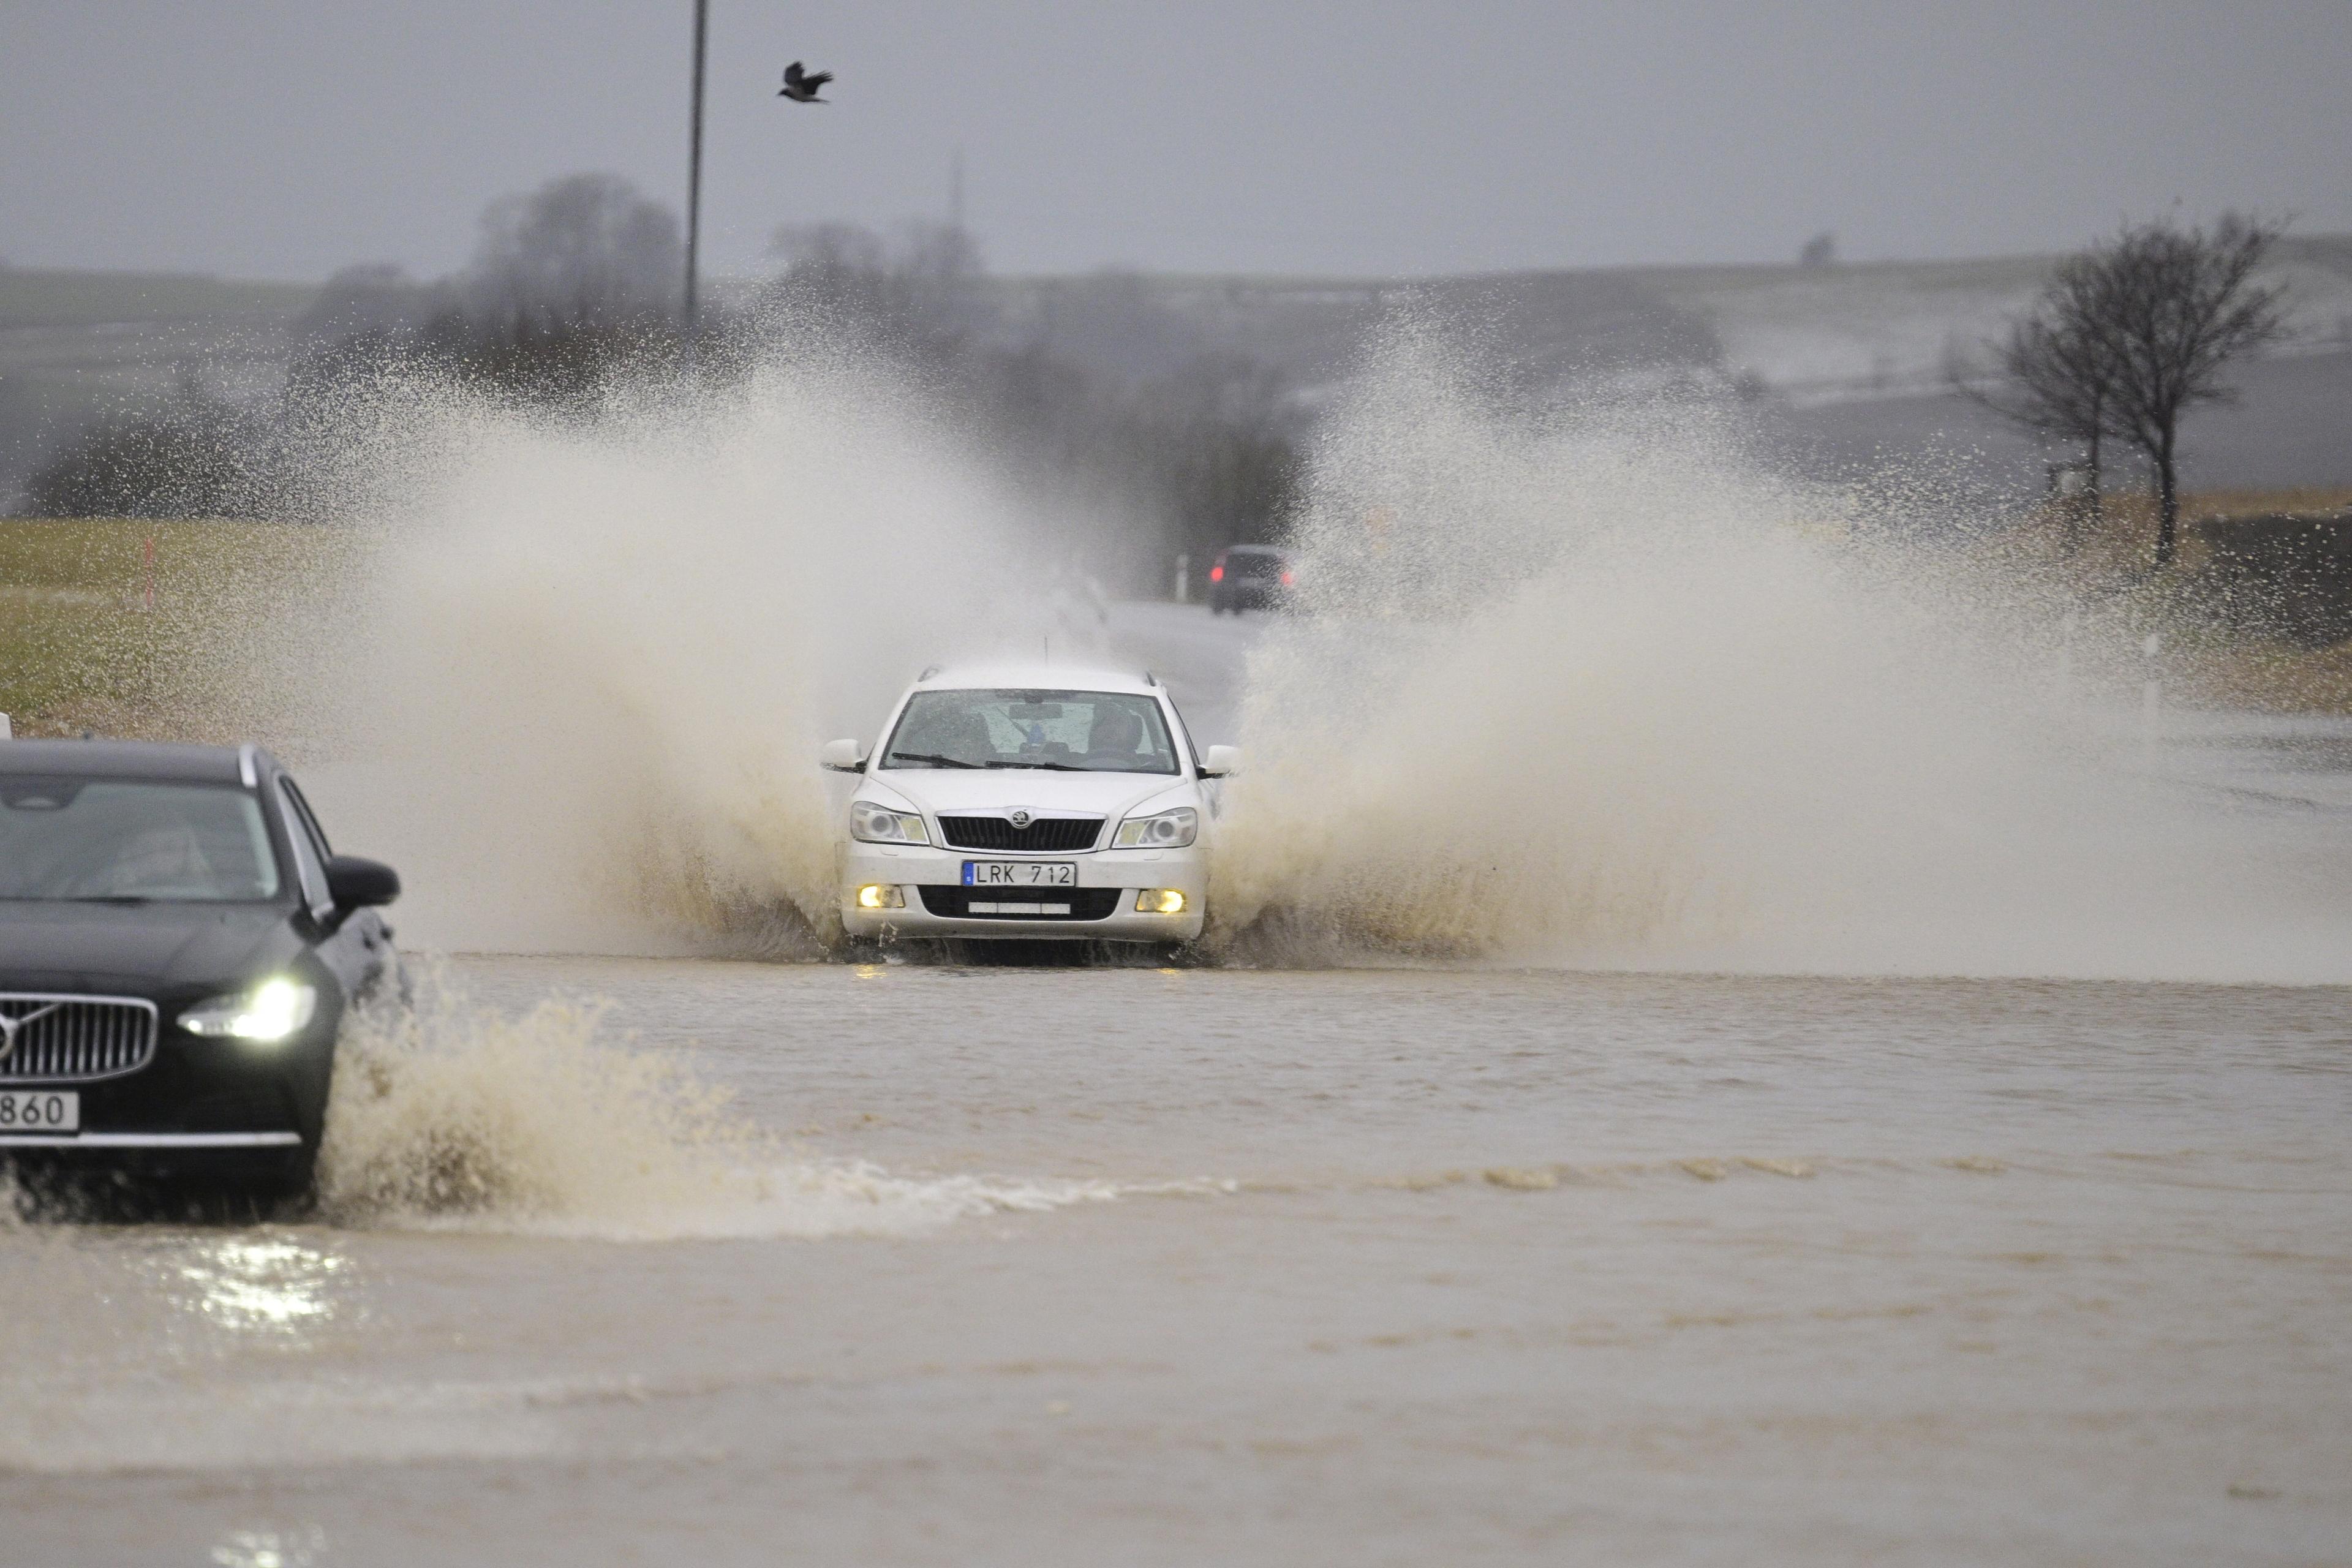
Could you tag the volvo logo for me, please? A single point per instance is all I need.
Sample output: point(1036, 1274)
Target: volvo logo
point(8, 1028)
point(1020, 819)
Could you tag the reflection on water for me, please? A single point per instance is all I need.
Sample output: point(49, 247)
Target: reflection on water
point(271, 1549)
point(261, 1286)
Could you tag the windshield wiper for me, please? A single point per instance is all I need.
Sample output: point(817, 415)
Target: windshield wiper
point(934, 759)
point(109, 898)
point(1051, 767)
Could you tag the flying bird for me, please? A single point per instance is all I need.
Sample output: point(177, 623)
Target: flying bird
point(801, 86)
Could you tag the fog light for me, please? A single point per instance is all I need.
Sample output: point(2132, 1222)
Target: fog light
point(1160, 901)
point(879, 896)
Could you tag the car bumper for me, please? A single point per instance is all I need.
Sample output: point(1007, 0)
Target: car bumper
point(1127, 871)
point(196, 1105)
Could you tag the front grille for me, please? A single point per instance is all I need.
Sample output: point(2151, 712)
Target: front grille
point(1047, 835)
point(65, 1039)
point(1022, 903)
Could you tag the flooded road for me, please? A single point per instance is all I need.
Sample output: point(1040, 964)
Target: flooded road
point(906, 1263)
point(1175, 1267)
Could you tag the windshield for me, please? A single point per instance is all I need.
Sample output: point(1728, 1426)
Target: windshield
point(133, 839)
point(1067, 732)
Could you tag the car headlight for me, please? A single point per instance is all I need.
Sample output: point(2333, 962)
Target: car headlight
point(268, 1013)
point(1169, 830)
point(880, 825)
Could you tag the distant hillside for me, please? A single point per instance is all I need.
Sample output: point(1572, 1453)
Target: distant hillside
point(77, 346)
point(1844, 363)
point(1876, 329)
point(1550, 326)
point(1889, 326)
point(40, 297)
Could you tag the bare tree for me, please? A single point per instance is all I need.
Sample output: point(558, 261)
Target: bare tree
point(586, 251)
point(2164, 311)
point(2055, 384)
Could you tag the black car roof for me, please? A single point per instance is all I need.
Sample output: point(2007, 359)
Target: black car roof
point(122, 760)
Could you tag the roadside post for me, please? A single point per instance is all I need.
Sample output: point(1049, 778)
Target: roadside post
point(694, 169)
point(1183, 578)
point(2066, 624)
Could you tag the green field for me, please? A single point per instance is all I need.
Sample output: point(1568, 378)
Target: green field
point(82, 647)
point(86, 647)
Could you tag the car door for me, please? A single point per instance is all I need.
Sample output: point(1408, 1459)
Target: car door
point(359, 948)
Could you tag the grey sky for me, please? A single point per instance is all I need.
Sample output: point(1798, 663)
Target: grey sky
point(275, 139)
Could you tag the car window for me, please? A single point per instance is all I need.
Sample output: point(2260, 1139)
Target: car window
point(97, 840)
point(1073, 731)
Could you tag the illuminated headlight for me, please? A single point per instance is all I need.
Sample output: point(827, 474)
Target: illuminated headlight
point(880, 825)
point(1169, 830)
point(1160, 901)
point(880, 896)
point(268, 1013)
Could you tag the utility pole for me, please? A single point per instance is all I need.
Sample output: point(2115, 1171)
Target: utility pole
point(694, 159)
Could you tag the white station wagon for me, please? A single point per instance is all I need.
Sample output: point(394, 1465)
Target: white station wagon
point(1035, 803)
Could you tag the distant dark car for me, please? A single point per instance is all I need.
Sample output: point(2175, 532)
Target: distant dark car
point(178, 947)
point(1250, 577)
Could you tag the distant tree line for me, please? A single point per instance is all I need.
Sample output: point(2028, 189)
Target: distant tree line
point(1194, 448)
point(575, 287)
point(2130, 336)
point(199, 455)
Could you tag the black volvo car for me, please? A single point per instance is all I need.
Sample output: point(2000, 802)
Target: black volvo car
point(178, 947)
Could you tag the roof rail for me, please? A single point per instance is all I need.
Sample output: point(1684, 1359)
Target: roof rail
point(249, 767)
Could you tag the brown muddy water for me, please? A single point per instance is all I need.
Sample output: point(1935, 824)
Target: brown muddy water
point(1193, 1266)
point(1518, 1183)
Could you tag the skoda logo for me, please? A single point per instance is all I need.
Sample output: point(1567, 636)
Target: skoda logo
point(1020, 819)
point(9, 1027)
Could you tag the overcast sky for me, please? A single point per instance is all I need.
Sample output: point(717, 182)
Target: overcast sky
point(269, 138)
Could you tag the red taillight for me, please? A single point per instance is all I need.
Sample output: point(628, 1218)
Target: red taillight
point(1287, 579)
point(1216, 573)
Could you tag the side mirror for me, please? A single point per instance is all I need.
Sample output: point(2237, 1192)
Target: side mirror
point(842, 757)
point(1222, 760)
point(357, 884)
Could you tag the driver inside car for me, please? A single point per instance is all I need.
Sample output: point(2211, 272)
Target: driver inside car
point(1116, 735)
point(159, 860)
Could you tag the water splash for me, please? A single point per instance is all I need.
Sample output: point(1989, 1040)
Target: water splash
point(1590, 685)
point(1585, 684)
point(450, 1116)
point(588, 665)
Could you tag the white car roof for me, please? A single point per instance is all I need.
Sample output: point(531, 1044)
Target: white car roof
point(1035, 678)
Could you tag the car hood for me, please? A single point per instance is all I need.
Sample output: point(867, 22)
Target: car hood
point(139, 949)
point(1036, 790)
